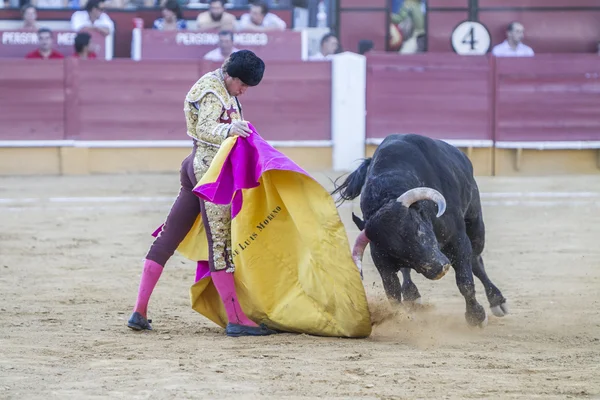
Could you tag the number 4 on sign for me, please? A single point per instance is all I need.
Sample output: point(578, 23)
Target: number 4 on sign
point(471, 38)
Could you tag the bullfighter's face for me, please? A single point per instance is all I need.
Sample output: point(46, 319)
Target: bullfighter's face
point(407, 240)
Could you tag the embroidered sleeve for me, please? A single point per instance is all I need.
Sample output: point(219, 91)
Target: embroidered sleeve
point(208, 128)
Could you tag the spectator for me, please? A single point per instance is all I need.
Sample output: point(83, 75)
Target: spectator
point(216, 18)
point(93, 17)
point(29, 14)
point(172, 19)
point(513, 45)
point(225, 48)
point(329, 46)
point(45, 50)
point(260, 19)
point(82, 47)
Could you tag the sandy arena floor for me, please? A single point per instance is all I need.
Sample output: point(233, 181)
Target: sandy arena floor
point(69, 273)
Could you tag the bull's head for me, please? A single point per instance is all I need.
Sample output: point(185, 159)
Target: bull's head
point(404, 236)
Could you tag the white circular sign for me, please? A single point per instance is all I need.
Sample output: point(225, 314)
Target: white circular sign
point(471, 38)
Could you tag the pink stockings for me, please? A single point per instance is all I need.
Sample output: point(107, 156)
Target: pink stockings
point(150, 276)
point(225, 285)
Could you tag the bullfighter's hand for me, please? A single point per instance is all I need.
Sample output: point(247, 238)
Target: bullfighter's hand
point(240, 128)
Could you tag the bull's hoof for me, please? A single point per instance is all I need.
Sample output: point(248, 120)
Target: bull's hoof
point(477, 317)
point(500, 310)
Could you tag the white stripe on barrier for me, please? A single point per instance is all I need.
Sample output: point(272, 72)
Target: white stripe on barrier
point(453, 142)
point(565, 145)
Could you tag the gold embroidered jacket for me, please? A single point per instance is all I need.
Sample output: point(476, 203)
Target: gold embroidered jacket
point(209, 112)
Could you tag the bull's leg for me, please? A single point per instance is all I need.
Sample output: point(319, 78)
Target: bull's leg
point(460, 255)
point(475, 229)
point(389, 278)
point(497, 301)
point(409, 289)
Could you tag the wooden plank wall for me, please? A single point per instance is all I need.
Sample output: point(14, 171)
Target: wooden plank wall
point(128, 100)
point(439, 95)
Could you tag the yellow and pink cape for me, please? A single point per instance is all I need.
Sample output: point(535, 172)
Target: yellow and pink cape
point(294, 268)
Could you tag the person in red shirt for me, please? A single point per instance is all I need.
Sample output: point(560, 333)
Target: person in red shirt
point(45, 50)
point(82, 46)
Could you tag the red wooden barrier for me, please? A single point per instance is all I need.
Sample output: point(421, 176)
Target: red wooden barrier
point(439, 95)
point(128, 100)
point(548, 98)
point(169, 45)
point(32, 99)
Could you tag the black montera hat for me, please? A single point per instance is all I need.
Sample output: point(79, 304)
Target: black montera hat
point(246, 66)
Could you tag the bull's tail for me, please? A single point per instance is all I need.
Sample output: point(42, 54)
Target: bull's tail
point(352, 186)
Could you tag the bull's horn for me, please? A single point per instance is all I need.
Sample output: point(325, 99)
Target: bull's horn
point(423, 193)
point(358, 250)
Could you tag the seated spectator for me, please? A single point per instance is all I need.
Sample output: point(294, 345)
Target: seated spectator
point(260, 19)
point(172, 19)
point(216, 18)
point(45, 50)
point(329, 46)
point(225, 48)
point(29, 14)
point(93, 17)
point(513, 45)
point(82, 47)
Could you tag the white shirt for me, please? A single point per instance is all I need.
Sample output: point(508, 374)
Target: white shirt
point(269, 21)
point(320, 57)
point(79, 19)
point(504, 50)
point(217, 55)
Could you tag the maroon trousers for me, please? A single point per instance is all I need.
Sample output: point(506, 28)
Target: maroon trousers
point(181, 217)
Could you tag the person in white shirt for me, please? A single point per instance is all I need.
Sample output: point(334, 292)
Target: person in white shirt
point(513, 45)
point(260, 19)
point(225, 48)
point(329, 46)
point(93, 18)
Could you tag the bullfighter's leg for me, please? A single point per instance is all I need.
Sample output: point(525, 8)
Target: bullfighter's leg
point(497, 301)
point(459, 253)
point(476, 231)
point(409, 289)
point(389, 278)
point(179, 221)
point(217, 223)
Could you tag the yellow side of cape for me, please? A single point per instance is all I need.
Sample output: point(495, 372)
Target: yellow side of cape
point(294, 269)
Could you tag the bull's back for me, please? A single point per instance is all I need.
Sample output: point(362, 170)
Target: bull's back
point(422, 153)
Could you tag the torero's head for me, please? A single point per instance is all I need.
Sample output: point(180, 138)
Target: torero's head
point(241, 70)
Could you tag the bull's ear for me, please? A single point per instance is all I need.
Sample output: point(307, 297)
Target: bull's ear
point(358, 222)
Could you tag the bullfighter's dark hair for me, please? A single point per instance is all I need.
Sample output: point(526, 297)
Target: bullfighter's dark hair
point(246, 66)
point(352, 186)
point(218, 1)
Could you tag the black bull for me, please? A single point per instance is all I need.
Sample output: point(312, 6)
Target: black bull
point(422, 211)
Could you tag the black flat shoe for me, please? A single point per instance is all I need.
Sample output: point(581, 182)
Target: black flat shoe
point(236, 330)
point(137, 322)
